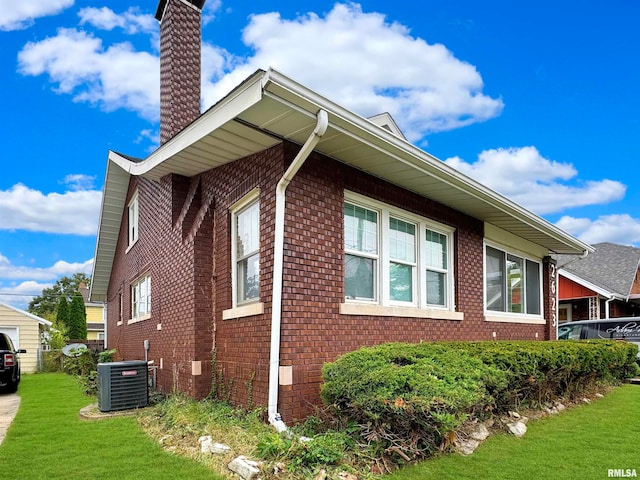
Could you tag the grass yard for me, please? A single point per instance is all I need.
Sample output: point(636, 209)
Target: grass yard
point(581, 443)
point(47, 440)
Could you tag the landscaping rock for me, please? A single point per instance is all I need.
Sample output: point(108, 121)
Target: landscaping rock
point(517, 428)
point(480, 433)
point(209, 446)
point(244, 468)
point(466, 446)
point(514, 414)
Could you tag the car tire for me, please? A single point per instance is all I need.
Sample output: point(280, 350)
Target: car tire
point(12, 387)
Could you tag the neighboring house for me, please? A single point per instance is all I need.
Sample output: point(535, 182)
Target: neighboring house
point(26, 331)
point(278, 230)
point(604, 284)
point(95, 315)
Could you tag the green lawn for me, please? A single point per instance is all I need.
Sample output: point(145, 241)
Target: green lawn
point(582, 443)
point(47, 440)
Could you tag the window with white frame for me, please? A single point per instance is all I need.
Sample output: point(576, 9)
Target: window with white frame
point(395, 258)
point(512, 283)
point(133, 219)
point(141, 297)
point(246, 249)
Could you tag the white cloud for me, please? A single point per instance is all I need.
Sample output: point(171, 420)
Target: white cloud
point(79, 181)
point(131, 21)
point(357, 59)
point(367, 64)
point(535, 182)
point(35, 279)
point(17, 15)
point(58, 269)
point(21, 294)
point(75, 212)
point(619, 228)
point(113, 77)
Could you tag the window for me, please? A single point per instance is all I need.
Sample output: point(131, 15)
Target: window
point(246, 250)
point(512, 283)
point(395, 258)
point(141, 298)
point(133, 219)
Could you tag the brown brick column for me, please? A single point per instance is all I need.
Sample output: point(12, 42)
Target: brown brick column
point(550, 296)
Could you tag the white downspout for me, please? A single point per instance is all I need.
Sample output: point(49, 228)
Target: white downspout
point(278, 258)
point(607, 307)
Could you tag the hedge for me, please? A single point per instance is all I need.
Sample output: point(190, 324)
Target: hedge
point(409, 398)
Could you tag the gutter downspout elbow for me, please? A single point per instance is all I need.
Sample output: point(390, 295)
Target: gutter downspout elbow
point(278, 259)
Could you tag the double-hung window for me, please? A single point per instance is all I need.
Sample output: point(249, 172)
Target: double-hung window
point(395, 258)
point(133, 220)
point(512, 283)
point(361, 252)
point(246, 249)
point(141, 298)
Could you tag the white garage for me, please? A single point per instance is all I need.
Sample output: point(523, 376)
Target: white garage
point(25, 332)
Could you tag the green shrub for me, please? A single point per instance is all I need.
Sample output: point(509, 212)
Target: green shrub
point(305, 454)
point(538, 372)
point(408, 398)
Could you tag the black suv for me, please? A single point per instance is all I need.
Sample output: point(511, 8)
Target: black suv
point(9, 365)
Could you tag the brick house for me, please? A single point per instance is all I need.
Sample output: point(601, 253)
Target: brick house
point(604, 284)
point(278, 230)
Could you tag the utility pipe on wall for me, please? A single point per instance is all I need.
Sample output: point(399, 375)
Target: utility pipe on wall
point(278, 259)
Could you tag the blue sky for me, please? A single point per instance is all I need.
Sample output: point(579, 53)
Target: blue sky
point(537, 100)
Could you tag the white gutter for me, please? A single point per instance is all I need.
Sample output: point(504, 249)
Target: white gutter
point(278, 259)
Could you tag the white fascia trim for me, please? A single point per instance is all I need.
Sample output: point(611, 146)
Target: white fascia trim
point(246, 95)
point(420, 160)
point(589, 285)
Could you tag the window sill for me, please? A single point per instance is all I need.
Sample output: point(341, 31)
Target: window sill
point(243, 311)
point(119, 323)
point(131, 245)
point(380, 311)
point(506, 318)
point(138, 319)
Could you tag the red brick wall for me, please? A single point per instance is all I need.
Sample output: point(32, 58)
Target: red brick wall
point(313, 332)
point(185, 244)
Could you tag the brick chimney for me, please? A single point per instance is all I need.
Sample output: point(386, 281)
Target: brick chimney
point(180, 39)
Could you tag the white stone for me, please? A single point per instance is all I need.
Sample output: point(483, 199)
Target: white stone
point(219, 448)
point(599, 395)
point(467, 447)
point(561, 407)
point(205, 442)
point(243, 467)
point(514, 414)
point(586, 400)
point(518, 429)
point(480, 433)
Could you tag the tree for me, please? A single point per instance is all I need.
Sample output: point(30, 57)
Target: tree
point(46, 303)
point(62, 312)
point(77, 319)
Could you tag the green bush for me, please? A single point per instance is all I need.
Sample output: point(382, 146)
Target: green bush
point(305, 454)
point(409, 398)
point(539, 372)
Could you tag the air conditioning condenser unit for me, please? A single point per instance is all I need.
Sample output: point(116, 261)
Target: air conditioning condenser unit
point(122, 385)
